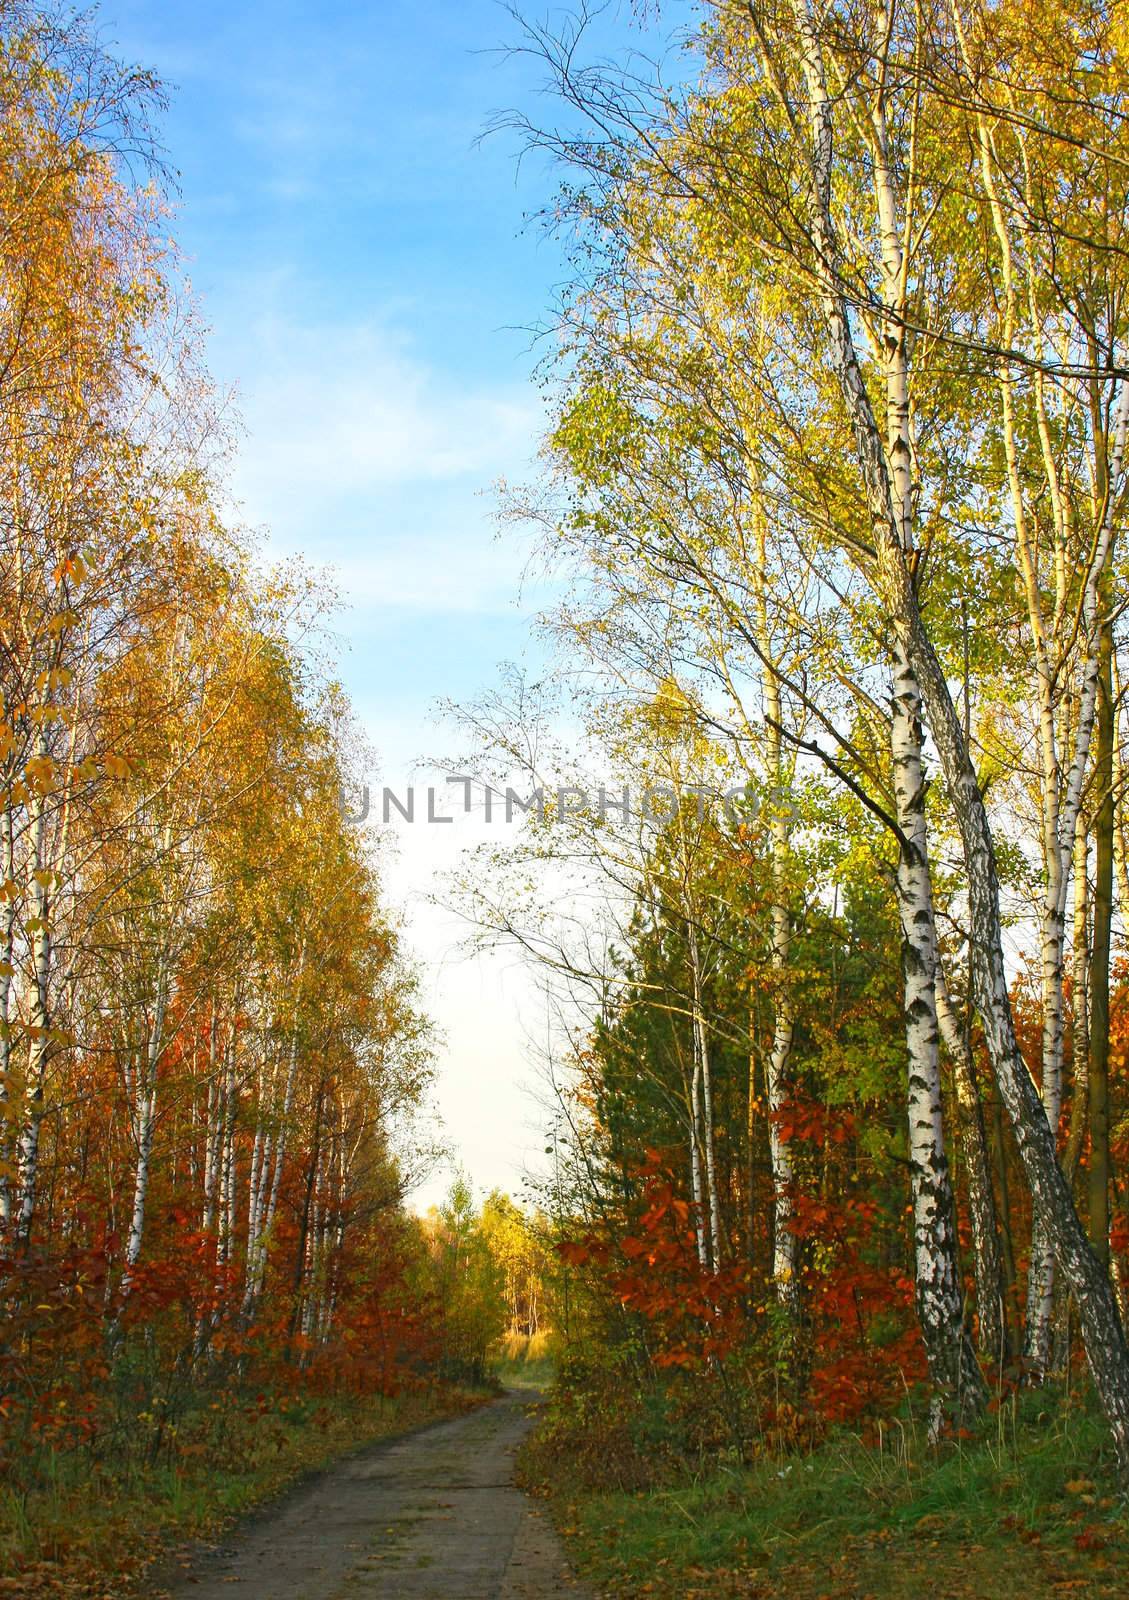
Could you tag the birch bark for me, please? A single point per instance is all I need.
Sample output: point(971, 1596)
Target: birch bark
point(777, 1075)
point(1104, 1339)
point(704, 1075)
point(937, 1274)
point(1080, 1002)
point(7, 972)
point(39, 1018)
point(937, 1278)
point(992, 1328)
point(144, 1118)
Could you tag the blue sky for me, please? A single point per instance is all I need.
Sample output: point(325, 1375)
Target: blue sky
point(370, 284)
point(364, 267)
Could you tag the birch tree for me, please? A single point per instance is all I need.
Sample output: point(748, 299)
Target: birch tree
point(806, 100)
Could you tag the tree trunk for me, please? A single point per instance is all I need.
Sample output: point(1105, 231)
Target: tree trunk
point(893, 584)
point(992, 1324)
point(777, 1076)
point(39, 1029)
point(1079, 1003)
point(1102, 1332)
point(1099, 960)
point(7, 952)
point(702, 1053)
point(301, 1251)
point(952, 1364)
point(696, 1192)
point(144, 1119)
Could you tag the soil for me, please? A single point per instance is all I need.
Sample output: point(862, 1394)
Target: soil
point(433, 1515)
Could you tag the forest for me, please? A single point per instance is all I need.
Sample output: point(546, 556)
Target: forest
point(834, 476)
point(212, 1052)
point(826, 1273)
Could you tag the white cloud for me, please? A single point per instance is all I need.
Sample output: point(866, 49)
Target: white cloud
point(368, 459)
point(470, 572)
point(343, 411)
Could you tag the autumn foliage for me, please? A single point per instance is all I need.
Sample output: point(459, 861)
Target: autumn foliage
point(211, 1053)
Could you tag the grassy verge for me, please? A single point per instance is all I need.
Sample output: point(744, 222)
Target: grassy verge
point(75, 1524)
point(525, 1374)
point(1029, 1509)
point(525, 1363)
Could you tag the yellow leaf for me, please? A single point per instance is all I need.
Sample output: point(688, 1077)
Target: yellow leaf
point(65, 619)
point(39, 772)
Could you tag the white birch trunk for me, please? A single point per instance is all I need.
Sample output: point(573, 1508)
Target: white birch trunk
point(777, 1073)
point(7, 953)
point(270, 1174)
point(257, 1179)
point(1040, 1275)
point(39, 1030)
point(937, 1279)
point(228, 1196)
point(1104, 1338)
point(702, 1070)
point(952, 1363)
point(1079, 1002)
point(987, 1256)
point(144, 1116)
point(696, 1193)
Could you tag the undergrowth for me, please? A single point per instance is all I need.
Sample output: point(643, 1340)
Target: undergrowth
point(525, 1362)
point(75, 1522)
point(1029, 1507)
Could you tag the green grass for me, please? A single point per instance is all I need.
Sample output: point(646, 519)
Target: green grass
point(524, 1363)
point(1028, 1509)
point(526, 1374)
point(78, 1523)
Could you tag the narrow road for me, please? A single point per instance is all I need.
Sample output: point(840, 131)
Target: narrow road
point(432, 1516)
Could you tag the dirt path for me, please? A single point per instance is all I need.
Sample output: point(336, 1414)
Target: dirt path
point(432, 1516)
